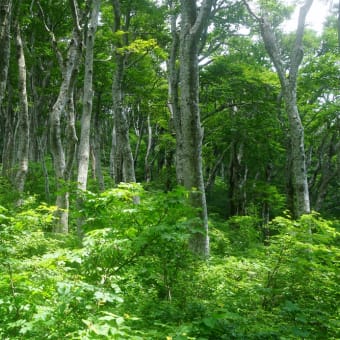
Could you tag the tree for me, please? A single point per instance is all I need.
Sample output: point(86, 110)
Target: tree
point(189, 132)
point(23, 132)
point(64, 103)
point(243, 143)
point(5, 39)
point(298, 185)
point(84, 141)
point(122, 158)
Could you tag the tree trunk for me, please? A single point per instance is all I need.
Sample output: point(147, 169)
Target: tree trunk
point(5, 39)
point(192, 24)
point(84, 145)
point(237, 180)
point(328, 169)
point(173, 93)
point(9, 136)
point(147, 163)
point(23, 119)
point(63, 103)
point(123, 164)
point(298, 171)
point(123, 158)
point(96, 143)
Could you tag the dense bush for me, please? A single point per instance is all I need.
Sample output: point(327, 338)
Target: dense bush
point(133, 276)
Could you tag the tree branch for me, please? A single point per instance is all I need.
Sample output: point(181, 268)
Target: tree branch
point(53, 38)
point(297, 52)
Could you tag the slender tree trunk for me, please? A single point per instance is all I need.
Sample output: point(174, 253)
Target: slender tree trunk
point(6, 126)
point(41, 141)
point(5, 40)
point(213, 171)
point(63, 103)
point(23, 119)
point(192, 25)
point(84, 145)
point(237, 180)
point(96, 142)
point(147, 164)
point(123, 164)
point(139, 130)
point(328, 169)
point(173, 95)
point(9, 136)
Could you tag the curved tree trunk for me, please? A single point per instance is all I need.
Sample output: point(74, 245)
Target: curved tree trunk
point(298, 173)
point(63, 104)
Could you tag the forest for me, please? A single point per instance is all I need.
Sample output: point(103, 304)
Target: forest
point(169, 169)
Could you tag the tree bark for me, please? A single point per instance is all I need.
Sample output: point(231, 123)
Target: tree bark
point(23, 119)
point(122, 158)
point(8, 137)
point(84, 144)
point(237, 180)
point(147, 163)
point(96, 143)
point(69, 72)
point(5, 39)
point(298, 172)
point(191, 134)
point(173, 92)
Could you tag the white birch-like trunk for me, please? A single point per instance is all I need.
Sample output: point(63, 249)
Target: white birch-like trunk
point(298, 171)
point(84, 144)
point(23, 133)
point(147, 163)
point(63, 103)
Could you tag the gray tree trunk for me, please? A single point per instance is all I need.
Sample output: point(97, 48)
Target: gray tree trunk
point(8, 137)
point(5, 39)
point(121, 153)
point(123, 158)
point(62, 104)
point(23, 133)
point(298, 172)
point(173, 93)
point(147, 163)
point(7, 126)
point(84, 144)
point(191, 135)
point(96, 143)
